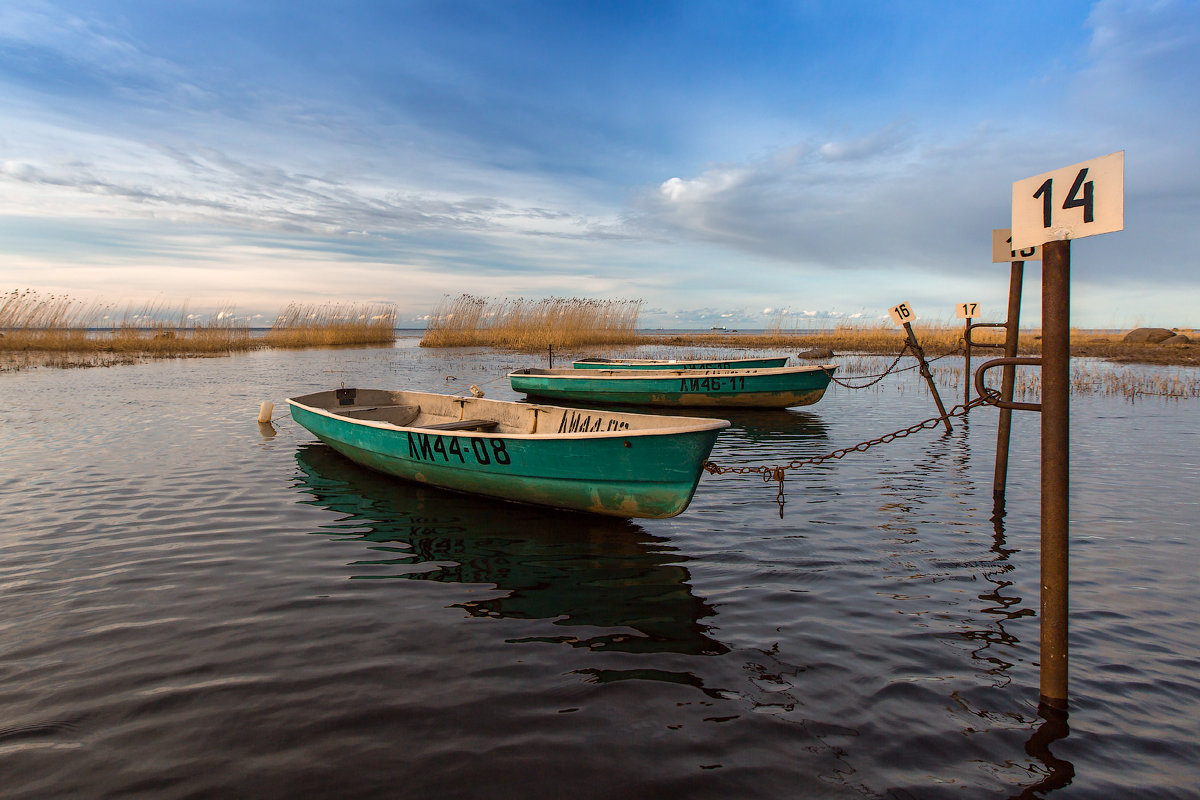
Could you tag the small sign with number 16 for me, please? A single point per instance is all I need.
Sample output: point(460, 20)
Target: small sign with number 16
point(901, 314)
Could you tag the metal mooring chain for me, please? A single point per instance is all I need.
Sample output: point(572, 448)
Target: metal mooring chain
point(877, 378)
point(778, 473)
point(891, 369)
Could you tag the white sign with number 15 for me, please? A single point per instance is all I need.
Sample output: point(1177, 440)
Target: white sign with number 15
point(1002, 248)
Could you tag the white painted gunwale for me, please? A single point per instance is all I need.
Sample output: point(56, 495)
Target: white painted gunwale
point(671, 363)
point(650, 374)
point(699, 423)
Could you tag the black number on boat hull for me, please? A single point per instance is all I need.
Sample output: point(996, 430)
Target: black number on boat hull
point(712, 384)
point(436, 448)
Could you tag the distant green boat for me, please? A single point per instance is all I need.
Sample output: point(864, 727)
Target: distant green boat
point(620, 464)
point(779, 387)
point(652, 363)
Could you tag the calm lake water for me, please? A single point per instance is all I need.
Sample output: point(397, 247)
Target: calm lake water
point(191, 608)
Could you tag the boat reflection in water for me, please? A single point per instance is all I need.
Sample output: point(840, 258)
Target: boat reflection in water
point(577, 569)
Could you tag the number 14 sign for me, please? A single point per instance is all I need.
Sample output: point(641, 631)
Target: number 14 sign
point(1070, 203)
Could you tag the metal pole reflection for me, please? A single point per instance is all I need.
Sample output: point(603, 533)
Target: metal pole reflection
point(1061, 772)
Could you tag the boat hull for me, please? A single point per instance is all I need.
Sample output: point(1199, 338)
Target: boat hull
point(766, 388)
point(586, 466)
point(646, 363)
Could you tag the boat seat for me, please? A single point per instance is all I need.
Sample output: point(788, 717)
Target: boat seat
point(394, 415)
point(462, 425)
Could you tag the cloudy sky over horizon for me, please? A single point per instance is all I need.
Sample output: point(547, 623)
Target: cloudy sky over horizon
point(722, 162)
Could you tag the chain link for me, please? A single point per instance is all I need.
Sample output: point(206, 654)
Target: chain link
point(891, 370)
point(877, 378)
point(779, 472)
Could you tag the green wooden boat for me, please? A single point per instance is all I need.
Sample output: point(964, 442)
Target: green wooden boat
point(621, 464)
point(651, 363)
point(780, 387)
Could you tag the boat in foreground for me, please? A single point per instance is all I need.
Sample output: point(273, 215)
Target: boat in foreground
point(620, 464)
point(780, 387)
point(764, 362)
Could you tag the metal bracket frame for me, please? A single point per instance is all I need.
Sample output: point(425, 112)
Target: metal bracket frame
point(991, 396)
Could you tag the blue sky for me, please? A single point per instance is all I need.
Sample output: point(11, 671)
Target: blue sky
point(722, 161)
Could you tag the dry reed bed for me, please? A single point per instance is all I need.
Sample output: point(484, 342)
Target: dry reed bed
point(332, 324)
point(35, 323)
point(532, 325)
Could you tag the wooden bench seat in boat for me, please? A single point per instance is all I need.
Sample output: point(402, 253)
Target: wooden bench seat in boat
point(462, 425)
point(393, 415)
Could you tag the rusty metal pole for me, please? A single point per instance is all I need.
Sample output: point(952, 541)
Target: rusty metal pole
point(920, 354)
point(967, 359)
point(1056, 364)
point(1008, 379)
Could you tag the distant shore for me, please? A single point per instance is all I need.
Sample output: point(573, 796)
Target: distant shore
point(935, 341)
point(940, 341)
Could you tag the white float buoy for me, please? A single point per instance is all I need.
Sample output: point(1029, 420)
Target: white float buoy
point(264, 412)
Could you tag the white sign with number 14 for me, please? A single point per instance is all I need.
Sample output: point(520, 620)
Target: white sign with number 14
point(1069, 203)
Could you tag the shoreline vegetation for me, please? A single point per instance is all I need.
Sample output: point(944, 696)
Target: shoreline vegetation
point(533, 325)
point(943, 339)
point(569, 323)
point(56, 330)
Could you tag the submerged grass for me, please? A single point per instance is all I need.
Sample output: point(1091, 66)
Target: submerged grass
point(1088, 377)
point(530, 325)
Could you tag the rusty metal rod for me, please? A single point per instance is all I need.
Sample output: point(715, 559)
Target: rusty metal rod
point(993, 397)
point(916, 348)
point(967, 362)
point(1008, 379)
point(1056, 358)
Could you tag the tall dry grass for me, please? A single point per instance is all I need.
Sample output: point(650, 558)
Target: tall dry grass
point(30, 321)
point(530, 325)
point(331, 324)
point(35, 323)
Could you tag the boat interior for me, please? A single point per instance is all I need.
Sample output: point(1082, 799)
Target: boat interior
point(439, 412)
point(667, 372)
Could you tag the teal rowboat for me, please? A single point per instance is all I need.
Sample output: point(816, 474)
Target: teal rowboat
point(651, 363)
point(621, 464)
point(781, 387)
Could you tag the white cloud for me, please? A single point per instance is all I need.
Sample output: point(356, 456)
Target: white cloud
point(881, 142)
point(705, 187)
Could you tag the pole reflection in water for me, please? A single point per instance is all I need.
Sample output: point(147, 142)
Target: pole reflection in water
point(1059, 772)
point(941, 470)
point(579, 570)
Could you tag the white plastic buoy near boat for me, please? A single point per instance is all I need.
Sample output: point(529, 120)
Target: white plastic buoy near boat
point(265, 411)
